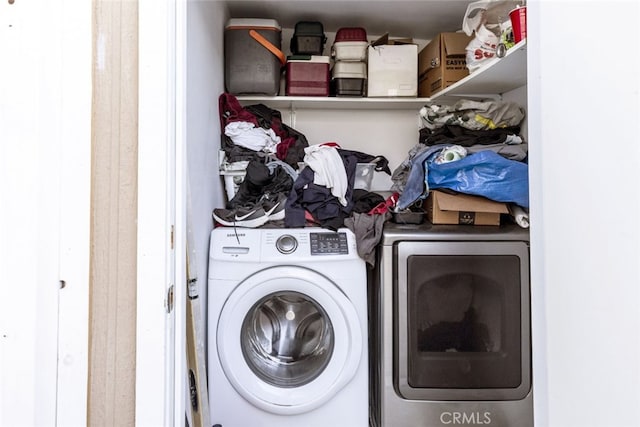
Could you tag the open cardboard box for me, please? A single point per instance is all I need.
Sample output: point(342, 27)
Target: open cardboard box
point(446, 208)
point(442, 62)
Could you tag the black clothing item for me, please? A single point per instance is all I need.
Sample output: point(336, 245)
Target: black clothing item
point(237, 153)
point(257, 175)
point(292, 143)
point(281, 182)
point(457, 135)
point(259, 181)
point(364, 201)
point(325, 208)
point(269, 118)
point(382, 164)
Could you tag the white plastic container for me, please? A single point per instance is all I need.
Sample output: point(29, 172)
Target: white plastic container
point(349, 70)
point(349, 51)
point(363, 177)
point(349, 78)
point(233, 173)
point(232, 180)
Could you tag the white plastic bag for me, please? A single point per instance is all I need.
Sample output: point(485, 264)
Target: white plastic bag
point(486, 18)
point(481, 48)
point(490, 13)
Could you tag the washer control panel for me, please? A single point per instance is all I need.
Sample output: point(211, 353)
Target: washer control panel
point(295, 245)
point(329, 243)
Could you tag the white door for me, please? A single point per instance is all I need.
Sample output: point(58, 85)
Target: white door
point(296, 335)
point(45, 118)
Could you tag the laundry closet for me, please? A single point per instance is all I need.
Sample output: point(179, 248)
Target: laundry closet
point(378, 126)
point(386, 126)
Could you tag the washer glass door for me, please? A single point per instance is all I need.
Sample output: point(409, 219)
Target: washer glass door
point(289, 339)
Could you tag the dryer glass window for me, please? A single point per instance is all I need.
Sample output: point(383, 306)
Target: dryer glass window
point(464, 321)
point(287, 339)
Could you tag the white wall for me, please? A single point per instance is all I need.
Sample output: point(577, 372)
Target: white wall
point(377, 132)
point(585, 196)
point(205, 83)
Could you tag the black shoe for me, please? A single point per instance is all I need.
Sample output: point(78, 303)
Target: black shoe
point(249, 217)
point(274, 206)
point(281, 182)
point(256, 178)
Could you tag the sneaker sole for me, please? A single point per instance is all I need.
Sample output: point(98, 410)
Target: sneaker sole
point(219, 219)
point(276, 213)
point(247, 223)
point(276, 216)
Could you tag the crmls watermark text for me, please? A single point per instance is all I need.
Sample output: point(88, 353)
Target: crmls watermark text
point(465, 418)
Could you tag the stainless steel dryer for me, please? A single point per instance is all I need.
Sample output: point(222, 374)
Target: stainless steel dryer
point(452, 322)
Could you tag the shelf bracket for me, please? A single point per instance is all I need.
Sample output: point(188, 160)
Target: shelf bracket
point(292, 115)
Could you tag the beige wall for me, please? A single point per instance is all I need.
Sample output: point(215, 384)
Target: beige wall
point(112, 322)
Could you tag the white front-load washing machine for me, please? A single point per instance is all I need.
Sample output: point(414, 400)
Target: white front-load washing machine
point(287, 328)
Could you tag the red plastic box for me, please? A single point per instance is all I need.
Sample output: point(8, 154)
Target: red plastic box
point(308, 77)
point(351, 34)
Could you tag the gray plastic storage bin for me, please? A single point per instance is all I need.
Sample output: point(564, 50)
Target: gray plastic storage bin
point(250, 67)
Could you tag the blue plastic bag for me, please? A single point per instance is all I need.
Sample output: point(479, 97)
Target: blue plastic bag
point(484, 173)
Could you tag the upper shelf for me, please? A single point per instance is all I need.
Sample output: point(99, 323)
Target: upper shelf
point(496, 77)
point(337, 103)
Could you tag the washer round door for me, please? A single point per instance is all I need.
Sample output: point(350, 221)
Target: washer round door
point(288, 339)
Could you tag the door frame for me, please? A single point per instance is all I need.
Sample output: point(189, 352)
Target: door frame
point(161, 275)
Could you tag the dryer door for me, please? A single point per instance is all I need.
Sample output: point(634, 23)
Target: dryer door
point(289, 339)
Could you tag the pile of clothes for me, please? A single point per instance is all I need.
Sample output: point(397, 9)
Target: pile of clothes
point(276, 190)
point(257, 131)
point(471, 147)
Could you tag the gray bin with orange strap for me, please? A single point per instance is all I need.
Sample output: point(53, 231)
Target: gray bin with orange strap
point(252, 56)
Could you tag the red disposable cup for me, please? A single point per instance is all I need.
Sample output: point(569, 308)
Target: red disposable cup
point(519, 23)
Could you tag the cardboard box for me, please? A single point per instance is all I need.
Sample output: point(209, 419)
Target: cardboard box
point(442, 62)
point(392, 68)
point(445, 208)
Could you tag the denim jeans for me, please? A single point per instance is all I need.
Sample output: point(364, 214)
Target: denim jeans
point(416, 187)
